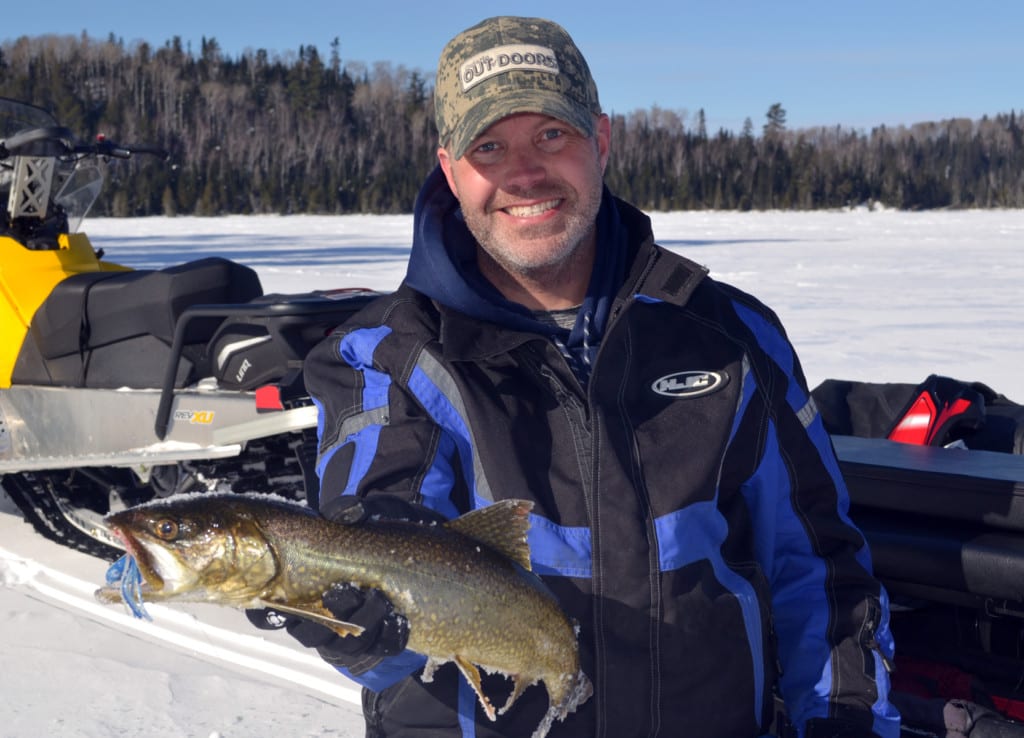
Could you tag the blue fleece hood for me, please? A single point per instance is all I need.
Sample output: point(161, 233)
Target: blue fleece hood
point(442, 265)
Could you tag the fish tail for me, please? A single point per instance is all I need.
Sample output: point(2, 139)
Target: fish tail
point(577, 691)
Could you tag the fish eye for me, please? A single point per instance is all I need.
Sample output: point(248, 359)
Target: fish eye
point(167, 529)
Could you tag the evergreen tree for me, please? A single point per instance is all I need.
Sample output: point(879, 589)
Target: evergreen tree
point(289, 133)
point(776, 120)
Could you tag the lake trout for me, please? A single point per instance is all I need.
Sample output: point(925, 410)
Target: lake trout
point(465, 586)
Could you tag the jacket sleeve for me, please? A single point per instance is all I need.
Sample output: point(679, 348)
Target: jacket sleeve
point(830, 614)
point(374, 436)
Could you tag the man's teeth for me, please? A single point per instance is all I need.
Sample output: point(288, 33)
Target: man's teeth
point(525, 211)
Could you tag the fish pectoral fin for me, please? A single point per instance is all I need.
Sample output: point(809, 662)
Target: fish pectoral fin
point(472, 675)
point(338, 626)
point(519, 685)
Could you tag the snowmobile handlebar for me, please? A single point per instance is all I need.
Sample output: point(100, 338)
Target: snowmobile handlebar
point(103, 147)
point(58, 141)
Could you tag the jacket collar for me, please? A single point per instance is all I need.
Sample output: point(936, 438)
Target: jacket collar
point(654, 272)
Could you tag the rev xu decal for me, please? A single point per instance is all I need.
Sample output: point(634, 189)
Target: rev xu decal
point(690, 383)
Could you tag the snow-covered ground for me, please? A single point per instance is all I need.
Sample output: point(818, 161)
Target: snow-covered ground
point(883, 296)
point(876, 296)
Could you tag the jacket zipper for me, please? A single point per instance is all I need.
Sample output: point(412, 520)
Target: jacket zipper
point(869, 639)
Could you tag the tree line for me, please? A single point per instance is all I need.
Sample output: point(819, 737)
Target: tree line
point(296, 132)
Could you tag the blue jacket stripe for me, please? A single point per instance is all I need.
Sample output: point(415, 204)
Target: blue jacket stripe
point(319, 422)
point(887, 717)
point(438, 392)
point(558, 550)
point(356, 349)
point(440, 408)
point(436, 485)
point(467, 709)
point(365, 450)
point(388, 672)
point(697, 533)
point(799, 619)
point(778, 349)
point(747, 386)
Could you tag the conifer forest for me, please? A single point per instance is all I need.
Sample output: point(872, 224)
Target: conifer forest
point(298, 132)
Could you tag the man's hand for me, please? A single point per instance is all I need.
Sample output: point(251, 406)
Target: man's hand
point(385, 633)
point(352, 510)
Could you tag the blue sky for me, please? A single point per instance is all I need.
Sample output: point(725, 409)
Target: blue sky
point(855, 64)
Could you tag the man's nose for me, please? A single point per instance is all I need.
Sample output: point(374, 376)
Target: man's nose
point(526, 167)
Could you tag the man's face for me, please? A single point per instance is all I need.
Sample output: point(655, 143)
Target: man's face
point(530, 188)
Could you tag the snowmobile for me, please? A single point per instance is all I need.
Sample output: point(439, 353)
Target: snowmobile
point(118, 386)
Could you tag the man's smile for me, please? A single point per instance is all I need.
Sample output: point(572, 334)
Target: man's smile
point(528, 211)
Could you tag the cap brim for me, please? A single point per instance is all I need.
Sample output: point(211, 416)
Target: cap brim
point(490, 110)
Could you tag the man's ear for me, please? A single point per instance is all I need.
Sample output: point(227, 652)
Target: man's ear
point(603, 134)
point(445, 160)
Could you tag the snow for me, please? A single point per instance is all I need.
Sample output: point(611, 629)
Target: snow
point(865, 294)
point(878, 295)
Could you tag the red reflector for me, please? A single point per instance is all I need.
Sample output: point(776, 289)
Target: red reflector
point(1009, 707)
point(916, 424)
point(924, 420)
point(268, 397)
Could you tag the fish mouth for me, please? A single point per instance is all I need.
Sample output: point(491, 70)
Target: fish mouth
point(153, 581)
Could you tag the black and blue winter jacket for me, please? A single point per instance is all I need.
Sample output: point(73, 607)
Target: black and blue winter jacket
point(689, 511)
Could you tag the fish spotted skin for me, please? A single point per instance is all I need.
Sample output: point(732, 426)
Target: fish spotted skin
point(464, 586)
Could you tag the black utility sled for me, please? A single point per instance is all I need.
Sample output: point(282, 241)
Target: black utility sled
point(936, 479)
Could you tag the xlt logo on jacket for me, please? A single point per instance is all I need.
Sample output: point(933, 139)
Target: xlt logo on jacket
point(690, 384)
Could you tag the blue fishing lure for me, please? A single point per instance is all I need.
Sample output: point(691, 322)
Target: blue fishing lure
point(125, 572)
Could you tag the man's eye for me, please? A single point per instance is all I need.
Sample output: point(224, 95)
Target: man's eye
point(486, 153)
point(553, 140)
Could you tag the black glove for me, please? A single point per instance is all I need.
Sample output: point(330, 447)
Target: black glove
point(385, 633)
point(351, 510)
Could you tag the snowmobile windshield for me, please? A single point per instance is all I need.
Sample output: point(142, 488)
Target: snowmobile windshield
point(79, 191)
point(77, 181)
point(17, 116)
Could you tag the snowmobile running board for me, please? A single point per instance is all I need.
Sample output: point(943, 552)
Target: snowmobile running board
point(88, 427)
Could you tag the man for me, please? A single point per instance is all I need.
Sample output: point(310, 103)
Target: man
point(689, 511)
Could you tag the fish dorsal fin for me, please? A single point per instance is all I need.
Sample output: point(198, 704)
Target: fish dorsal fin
point(502, 526)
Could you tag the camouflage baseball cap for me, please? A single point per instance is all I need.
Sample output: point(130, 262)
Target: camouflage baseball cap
point(509, 65)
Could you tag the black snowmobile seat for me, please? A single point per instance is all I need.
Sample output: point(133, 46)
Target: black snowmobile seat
point(113, 329)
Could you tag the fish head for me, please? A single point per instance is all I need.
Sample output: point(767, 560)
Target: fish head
point(198, 549)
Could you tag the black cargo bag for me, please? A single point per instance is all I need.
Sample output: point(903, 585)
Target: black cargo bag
point(940, 411)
